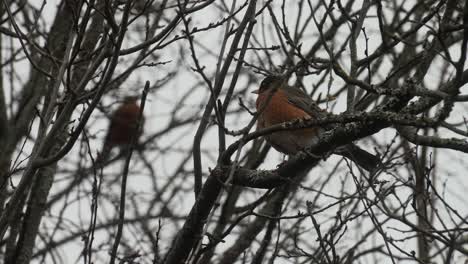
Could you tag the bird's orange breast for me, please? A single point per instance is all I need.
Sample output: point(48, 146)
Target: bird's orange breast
point(123, 124)
point(278, 109)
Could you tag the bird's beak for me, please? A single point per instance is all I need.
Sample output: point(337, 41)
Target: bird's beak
point(255, 92)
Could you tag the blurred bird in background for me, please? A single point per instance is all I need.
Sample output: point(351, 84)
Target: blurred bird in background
point(122, 128)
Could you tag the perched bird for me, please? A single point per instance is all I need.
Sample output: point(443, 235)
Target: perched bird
point(122, 128)
point(277, 102)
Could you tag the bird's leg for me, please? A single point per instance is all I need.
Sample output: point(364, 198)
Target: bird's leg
point(282, 162)
point(313, 155)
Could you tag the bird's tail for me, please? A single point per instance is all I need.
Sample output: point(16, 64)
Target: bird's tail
point(361, 157)
point(103, 156)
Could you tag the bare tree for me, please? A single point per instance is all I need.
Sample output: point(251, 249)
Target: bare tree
point(201, 185)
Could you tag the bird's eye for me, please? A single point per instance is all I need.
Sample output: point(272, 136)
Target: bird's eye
point(265, 84)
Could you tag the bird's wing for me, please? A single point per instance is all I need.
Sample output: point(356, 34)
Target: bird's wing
point(302, 100)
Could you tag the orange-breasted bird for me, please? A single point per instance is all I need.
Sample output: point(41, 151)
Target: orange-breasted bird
point(122, 128)
point(277, 102)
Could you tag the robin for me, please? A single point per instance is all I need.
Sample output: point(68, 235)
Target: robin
point(277, 102)
point(123, 126)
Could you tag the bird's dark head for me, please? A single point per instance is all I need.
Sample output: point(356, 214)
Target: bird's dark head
point(271, 83)
point(131, 99)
